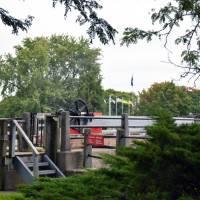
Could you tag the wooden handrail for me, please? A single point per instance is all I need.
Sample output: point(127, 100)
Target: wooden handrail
point(30, 144)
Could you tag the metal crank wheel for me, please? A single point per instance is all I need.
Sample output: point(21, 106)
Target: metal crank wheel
point(80, 109)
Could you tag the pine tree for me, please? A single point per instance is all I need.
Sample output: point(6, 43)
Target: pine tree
point(165, 167)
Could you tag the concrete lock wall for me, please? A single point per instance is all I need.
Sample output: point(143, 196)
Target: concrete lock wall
point(70, 161)
point(11, 178)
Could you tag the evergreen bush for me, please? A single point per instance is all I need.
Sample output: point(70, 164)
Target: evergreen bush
point(163, 168)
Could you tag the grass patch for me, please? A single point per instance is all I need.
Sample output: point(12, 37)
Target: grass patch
point(10, 195)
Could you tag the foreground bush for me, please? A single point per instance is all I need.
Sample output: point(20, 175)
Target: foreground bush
point(167, 167)
point(10, 196)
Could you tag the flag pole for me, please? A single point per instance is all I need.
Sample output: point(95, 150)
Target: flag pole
point(122, 106)
point(109, 106)
point(116, 106)
point(132, 93)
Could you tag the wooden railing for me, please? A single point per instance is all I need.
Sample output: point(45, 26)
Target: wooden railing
point(16, 126)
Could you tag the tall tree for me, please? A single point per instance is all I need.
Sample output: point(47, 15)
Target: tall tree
point(170, 17)
point(195, 95)
point(167, 96)
point(47, 73)
point(90, 87)
point(87, 10)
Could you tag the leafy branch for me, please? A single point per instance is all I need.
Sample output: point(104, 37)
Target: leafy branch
point(15, 23)
point(87, 9)
point(171, 17)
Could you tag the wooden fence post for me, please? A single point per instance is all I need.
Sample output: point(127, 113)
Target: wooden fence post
point(51, 137)
point(123, 132)
point(27, 129)
point(65, 132)
point(12, 140)
point(120, 135)
point(3, 145)
point(197, 120)
point(87, 160)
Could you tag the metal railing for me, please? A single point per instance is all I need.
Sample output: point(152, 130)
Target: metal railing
point(16, 126)
point(133, 121)
point(124, 125)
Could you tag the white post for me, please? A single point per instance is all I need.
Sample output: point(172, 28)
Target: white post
point(13, 142)
point(35, 165)
point(132, 84)
point(109, 106)
point(116, 106)
point(122, 107)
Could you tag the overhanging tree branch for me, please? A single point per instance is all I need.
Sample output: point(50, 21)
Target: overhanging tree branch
point(190, 71)
point(15, 23)
point(170, 16)
point(87, 10)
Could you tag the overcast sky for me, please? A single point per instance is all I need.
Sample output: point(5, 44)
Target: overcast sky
point(144, 61)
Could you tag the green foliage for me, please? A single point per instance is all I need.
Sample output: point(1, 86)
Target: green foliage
point(15, 106)
point(10, 196)
point(164, 96)
point(128, 97)
point(169, 18)
point(168, 97)
point(195, 95)
point(165, 167)
point(48, 73)
point(87, 10)
point(88, 14)
point(15, 23)
point(90, 186)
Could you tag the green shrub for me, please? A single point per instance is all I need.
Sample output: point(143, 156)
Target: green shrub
point(164, 168)
point(11, 196)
